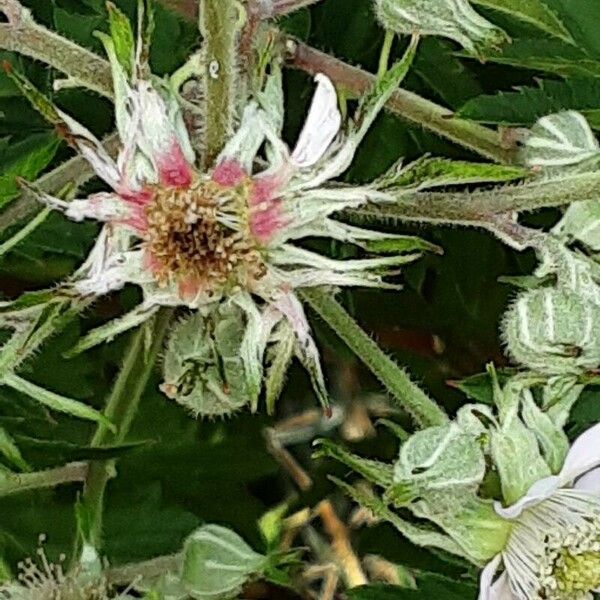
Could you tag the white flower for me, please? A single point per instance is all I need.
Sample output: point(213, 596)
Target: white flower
point(193, 239)
point(553, 551)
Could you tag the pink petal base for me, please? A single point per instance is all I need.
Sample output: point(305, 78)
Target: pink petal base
point(266, 214)
point(173, 168)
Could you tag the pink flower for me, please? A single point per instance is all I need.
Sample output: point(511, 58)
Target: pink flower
point(192, 239)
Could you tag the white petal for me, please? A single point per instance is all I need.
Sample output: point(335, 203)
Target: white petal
point(92, 150)
point(322, 125)
point(499, 590)
point(102, 207)
point(590, 482)
point(541, 490)
point(249, 137)
point(583, 456)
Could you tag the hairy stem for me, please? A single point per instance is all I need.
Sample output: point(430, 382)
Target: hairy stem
point(13, 483)
point(479, 207)
point(22, 34)
point(220, 26)
point(403, 103)
point(120, 409)
point(408, 394)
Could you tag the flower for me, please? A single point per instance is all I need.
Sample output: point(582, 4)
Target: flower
point(194, 239)
point(553, 551)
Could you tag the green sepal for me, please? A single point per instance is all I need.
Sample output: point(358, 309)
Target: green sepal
point(217, 562)
point(122, 36)
point(430, 172)
point(374, 471)
point(38, 100)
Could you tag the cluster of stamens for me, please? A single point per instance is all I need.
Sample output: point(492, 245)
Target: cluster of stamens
point(553, 552)
point(573, 564)
point(199, 236)
point(43, 580)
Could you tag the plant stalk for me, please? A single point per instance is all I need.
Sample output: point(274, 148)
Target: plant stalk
point(220, 25)
point(13, 483)
point(120, 409)
point(22, 34)
point(406, 393)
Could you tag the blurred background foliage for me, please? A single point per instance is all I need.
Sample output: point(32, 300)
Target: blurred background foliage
point(178, 473)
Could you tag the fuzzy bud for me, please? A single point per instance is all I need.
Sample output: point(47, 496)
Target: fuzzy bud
point(553, 332)
point(454, 19)
point(203, 369)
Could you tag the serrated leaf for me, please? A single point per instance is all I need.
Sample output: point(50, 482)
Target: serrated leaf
point(526, 105)
point(11, 452)
point(217, 562)
point(534, 12)
point(552, 56)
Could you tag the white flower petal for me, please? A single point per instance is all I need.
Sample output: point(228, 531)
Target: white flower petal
point(583, 456)
point(322, 125)
point(541, 490)
point(92, 150)
point(590, 482)
point(498, 590)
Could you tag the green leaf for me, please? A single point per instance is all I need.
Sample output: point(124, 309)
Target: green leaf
point(534, 12)
point(480, 387)
point(528, 104)
point(551, 56)
point(434, 172)
point(38, 100)
point(217, 562)
point(399, 245)
point(50, 452)
point(375, 471)
point(10, 451)
point(27, 159)
point(55, 401)
point(122, 37)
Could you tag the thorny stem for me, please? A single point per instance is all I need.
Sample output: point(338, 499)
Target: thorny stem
point(22, 34)
point(407, 393)
point(13, 483)
point(120, 409)
point(220, 25)
point(403, 103)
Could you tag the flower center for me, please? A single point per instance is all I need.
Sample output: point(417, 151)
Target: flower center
point(198, 237)
point(577, 574)
point(554, 550)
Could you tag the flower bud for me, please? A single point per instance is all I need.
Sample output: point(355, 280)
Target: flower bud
point(553, 331)
point(454, 19)
point(203, 367)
